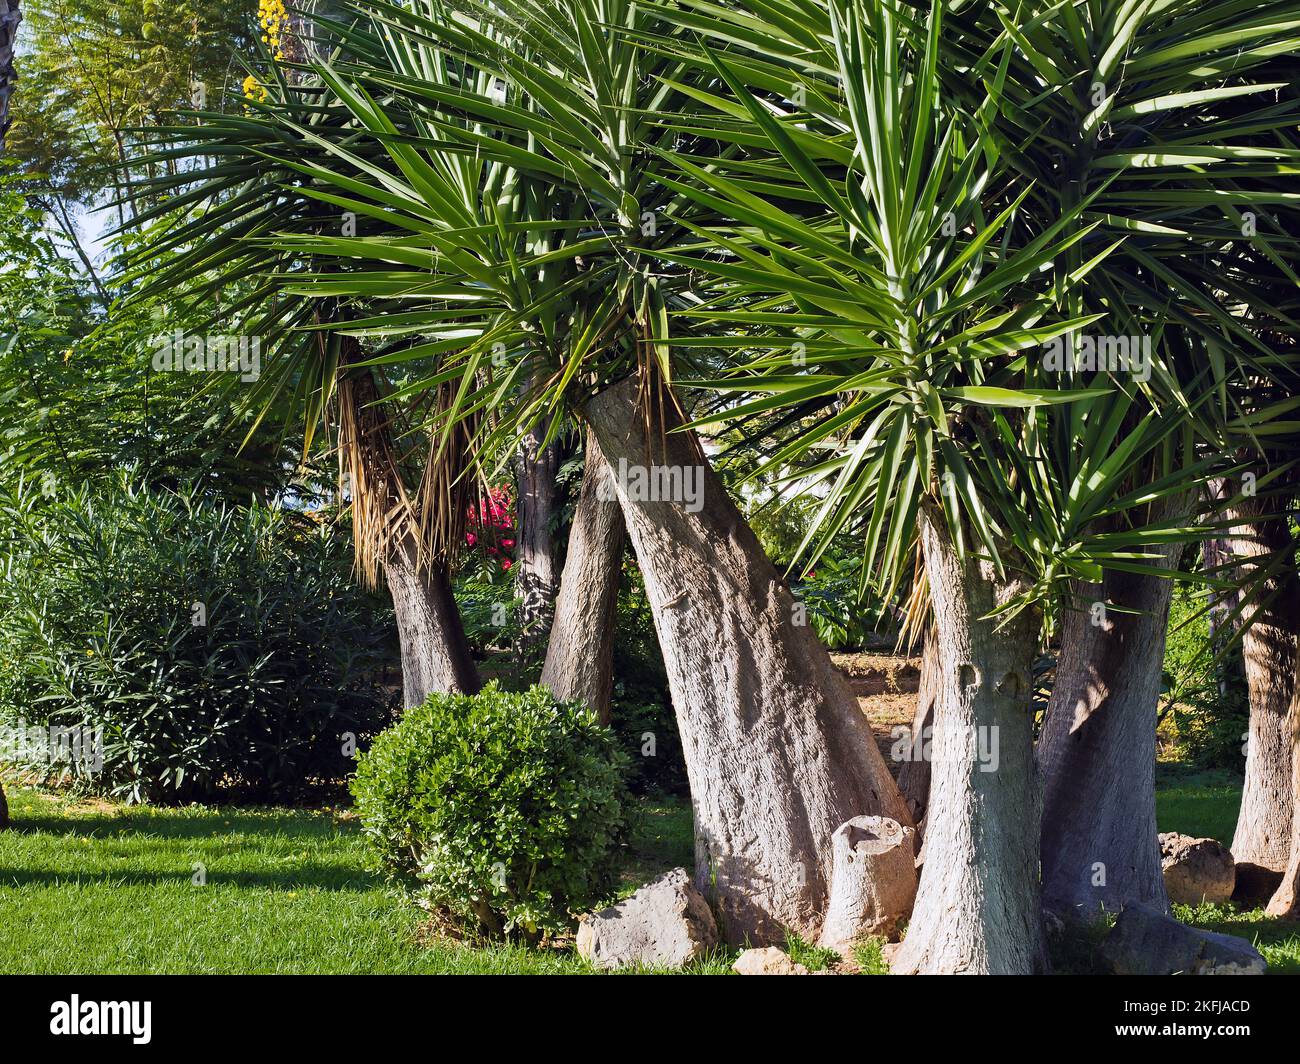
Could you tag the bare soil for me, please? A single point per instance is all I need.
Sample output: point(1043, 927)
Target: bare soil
point(885, 686)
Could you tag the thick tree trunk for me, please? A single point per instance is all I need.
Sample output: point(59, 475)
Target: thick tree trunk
point(435, 652)
point(1097, 750)
point(914, 775)
point(580, 654)
point(977, 908)
point(1261, 844)
point(1286, 899)
point(1216, 552)
point(9, 19)
point(777, 751)
point(537, 551)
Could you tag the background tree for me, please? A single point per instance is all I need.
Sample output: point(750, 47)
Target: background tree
point(9, 18)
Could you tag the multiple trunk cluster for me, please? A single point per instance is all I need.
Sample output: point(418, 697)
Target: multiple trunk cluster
point(779, 755)
point(777, 751)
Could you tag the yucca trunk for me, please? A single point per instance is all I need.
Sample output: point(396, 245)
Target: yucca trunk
point(777, 751)
point(9, 19)
point(537, 505)
point(1286, 899)
point(977, 906)
point(1261, 844)
point(435, 651)
point(914, 775)
point(580, 653)
point(1097, 750)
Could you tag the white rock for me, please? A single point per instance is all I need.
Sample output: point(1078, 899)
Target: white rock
point(666, 923)
point(767, 961)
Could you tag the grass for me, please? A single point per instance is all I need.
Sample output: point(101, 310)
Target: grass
point(1203, 804)
point(871, 957)
point(102, 888)
point(95, 887)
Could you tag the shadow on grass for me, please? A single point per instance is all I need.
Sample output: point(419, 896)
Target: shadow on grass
point(319, 877)
point(180, 825)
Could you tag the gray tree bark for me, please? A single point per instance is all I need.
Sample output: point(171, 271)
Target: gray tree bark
point(914, 775)
point(580, 654)
point(1286, 899)
point(1261, 844)
point(537, 549)
point(777, 751)
point(873, 884)
point(9, 19)
point(1097, 750)
point(435, 651)
point(977, 907)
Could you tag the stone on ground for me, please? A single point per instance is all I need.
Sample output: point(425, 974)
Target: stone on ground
point(1144, 941)
point(1196, 870)
point(767, 961)
point(667, 923)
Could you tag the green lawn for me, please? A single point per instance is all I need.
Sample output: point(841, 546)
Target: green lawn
point(95, 887)
point(1204, 804)
point(1201, 804)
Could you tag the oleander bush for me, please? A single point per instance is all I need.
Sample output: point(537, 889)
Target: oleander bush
point(222, 651)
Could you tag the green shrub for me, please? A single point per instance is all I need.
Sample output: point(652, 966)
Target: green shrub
point(224, 652)
point(642, 707)
point(504, 812)
point(830, 595)
point(1208, 725)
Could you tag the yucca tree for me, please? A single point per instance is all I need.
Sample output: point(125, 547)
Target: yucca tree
point(932, 339)
point(243, 178)
point(1179, 121)
point(777, 751)
point(912, 306)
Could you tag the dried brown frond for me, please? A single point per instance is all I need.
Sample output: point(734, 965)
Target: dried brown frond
point(916, 611)
point(661, 411)
point(378, 452)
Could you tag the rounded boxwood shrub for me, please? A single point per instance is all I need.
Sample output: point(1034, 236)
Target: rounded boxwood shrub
point(504, 812)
